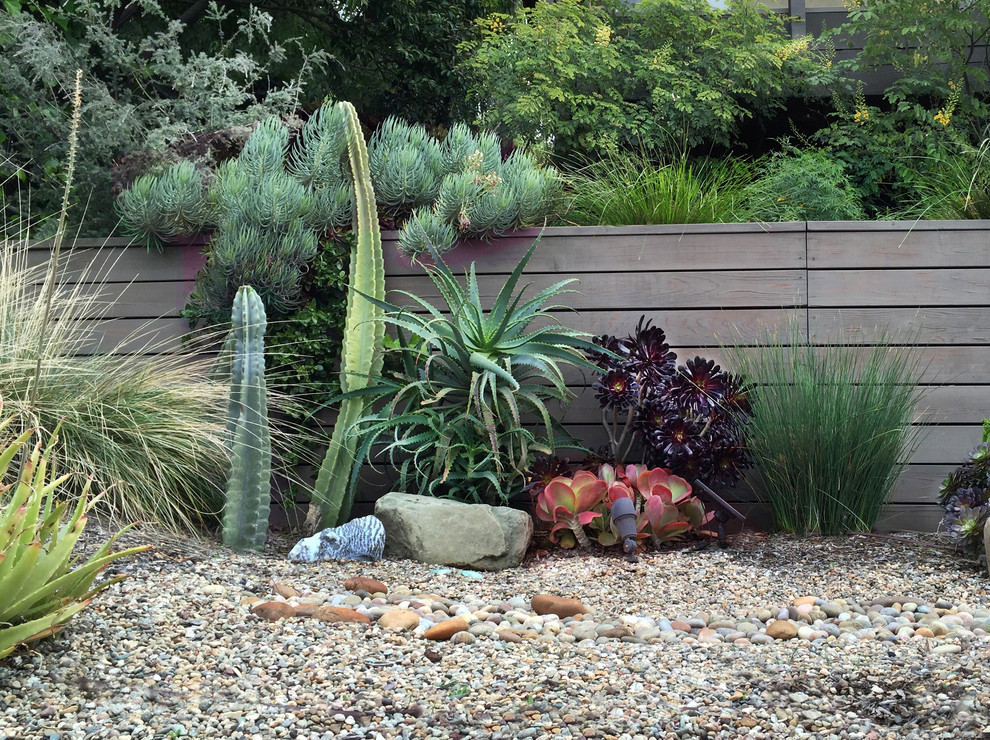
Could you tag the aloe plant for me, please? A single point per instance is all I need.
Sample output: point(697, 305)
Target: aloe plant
point(361, 353)
point(453, 418)
point(570, 504)
point(245, 512)
point(41, 592)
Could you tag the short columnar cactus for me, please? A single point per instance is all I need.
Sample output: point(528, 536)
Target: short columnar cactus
point(245, 515)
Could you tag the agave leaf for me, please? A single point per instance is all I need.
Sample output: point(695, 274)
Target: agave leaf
point(11, 637)
point(16, 576)
point(75, 584)
point(13, 448)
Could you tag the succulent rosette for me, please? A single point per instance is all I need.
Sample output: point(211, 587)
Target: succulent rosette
point(965, 518)
point(617, 389)
point(544, 469)
point(570, 504)
point(699, 385)
point(965, 494)
point(648, 354)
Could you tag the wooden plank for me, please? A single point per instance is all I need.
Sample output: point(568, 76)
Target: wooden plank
point(919, 484)
point(941, 445)
point(909, 518)
point(939, 405)
point(136, 300)
point(923, 325)
point(126, 264)
point(684, 327)
point(852, 244)
point(645, 291)
point(86, 243)
point(955, 404)
point(908, 287)
point(146, 336)
point(939, 364)
point(627, 249)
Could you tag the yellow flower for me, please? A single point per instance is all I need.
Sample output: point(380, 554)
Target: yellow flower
point(943, 117)
point(603, 36)
point(861, 116)
point(952, 85)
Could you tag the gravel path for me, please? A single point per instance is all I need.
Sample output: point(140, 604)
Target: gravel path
point(174, 651)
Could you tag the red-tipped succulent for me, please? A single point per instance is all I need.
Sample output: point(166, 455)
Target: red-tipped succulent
point(570, 504)
point(667, 509)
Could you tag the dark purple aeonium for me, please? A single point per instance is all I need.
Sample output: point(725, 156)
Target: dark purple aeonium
point(684, 417)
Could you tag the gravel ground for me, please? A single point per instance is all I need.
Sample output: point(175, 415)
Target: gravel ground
point(174, 651)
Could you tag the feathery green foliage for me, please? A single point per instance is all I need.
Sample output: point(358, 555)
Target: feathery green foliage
point(830, 430)
point(42, 590)
point(952, 186)
point(453, 423)
point(628, 189)
point(797, 185)
point(145, 89)
point(248, 501)
point(585, 78)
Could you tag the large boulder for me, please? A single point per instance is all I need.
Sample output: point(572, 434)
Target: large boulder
point(435, 530)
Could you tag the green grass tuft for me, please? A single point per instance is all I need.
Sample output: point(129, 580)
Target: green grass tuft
point(831, 428)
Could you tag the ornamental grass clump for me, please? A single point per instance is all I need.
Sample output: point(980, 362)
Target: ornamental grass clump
point(643, 188)
point(830, 429)
point(149, 428)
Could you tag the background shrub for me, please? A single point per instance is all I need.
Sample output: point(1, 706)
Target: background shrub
point(801, 185)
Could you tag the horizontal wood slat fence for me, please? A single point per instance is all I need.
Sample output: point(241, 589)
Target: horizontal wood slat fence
point(704, 284)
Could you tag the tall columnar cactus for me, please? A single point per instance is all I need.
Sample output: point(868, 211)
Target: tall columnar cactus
point(361, 354)
point(245, 514)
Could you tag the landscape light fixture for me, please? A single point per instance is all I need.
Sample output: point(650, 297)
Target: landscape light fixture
point(624, 518)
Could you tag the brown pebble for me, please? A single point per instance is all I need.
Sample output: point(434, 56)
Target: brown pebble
point(446, 629)
point(562, 607)
point(617, 632)
point(782, 629)
point(507, 635)
point(339, 614)
point(805, 600)
point(284, 590)
point(361, 583)
point(924, 632)
point(273, 611)
point(306, 610)
point(399, 619)
point(680, 626)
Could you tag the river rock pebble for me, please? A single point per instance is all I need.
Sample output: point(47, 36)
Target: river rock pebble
point(678, 645)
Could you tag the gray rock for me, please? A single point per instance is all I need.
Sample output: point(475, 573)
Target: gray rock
point(359, 539)
point(433, 530)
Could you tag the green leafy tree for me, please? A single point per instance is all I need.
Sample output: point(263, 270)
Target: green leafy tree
point(579, 77)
